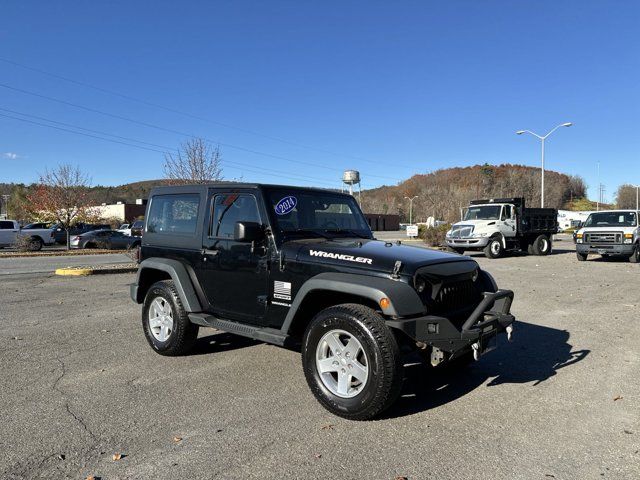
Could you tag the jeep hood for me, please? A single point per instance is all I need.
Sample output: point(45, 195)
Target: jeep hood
point(373, 255)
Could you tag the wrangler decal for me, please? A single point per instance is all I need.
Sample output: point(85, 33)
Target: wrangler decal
point(340, 256)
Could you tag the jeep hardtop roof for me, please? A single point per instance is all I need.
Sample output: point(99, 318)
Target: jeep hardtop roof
point(231, 185)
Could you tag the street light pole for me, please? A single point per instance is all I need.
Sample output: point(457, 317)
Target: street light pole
point(411, 208)
point(542, 139)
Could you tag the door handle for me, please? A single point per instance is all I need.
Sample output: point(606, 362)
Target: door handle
point(206, 251)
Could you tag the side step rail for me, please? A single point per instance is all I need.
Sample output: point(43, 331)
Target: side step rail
point(263, 334)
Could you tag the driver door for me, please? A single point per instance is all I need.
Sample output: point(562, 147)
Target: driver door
point(233, 275)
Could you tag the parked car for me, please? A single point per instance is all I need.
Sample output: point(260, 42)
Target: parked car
point(300, 267)
point(107, 239)
point(137, 228)
point(78, 229)
point(126, 229)
point(10, 231)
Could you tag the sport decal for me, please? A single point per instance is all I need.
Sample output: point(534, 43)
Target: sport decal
point(340, 256)
point(282, 290)
point(285, 205)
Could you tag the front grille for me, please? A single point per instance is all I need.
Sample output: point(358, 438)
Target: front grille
point(603, 237)
point(461, 231)
point(455, 296)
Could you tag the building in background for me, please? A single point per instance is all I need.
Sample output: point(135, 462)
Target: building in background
point(124, 212)
point(571, 219)
point(380, 222)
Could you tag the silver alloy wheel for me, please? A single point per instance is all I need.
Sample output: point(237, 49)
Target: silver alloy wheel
point(342, 363)
point(495, 247)
point(160, 319)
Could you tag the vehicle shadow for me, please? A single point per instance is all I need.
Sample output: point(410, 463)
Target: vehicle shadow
point(536, 355)
point(221, 341)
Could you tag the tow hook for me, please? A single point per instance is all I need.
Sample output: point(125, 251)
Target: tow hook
point(476, 351)
point(509, 330)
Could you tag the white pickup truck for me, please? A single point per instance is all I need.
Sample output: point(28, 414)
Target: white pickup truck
point(10, 231)
point(610, 233)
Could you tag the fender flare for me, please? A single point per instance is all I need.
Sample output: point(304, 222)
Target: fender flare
point(178, 274)
point(404, 300)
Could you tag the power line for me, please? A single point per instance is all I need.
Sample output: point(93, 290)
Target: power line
point(176, 132)
point(190, 115)
point(250, 168)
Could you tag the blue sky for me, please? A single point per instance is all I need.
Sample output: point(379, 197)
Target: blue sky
point(389, 88)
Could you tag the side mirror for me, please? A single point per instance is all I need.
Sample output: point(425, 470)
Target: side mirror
point(247, 232)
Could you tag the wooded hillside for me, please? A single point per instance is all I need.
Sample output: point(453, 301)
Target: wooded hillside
point(442, 193)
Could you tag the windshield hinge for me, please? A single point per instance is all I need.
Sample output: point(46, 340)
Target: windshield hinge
point(396, 269)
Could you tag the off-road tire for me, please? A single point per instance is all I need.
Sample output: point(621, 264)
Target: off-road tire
point(542, 245)
point(383, 356)
point(184, 333)
point(582, 257)
point(635, 256)
point(494, 248)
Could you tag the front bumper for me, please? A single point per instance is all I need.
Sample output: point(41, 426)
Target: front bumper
point(489, 318)
point(609, 249)
point(470, 242)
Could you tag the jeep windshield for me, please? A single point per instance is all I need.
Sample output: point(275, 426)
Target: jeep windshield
point(611, 219)
point(316, 214)
point(483, 212)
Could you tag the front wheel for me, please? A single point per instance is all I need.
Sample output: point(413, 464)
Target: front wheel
point(351, 361)
point(36, 244)
point(494, 248)
point(582, 257)
point(165, 323)
point(459, 251)
point(635, 256)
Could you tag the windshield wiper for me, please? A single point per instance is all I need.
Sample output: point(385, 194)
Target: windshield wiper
point(345, 230)
point(318, 233)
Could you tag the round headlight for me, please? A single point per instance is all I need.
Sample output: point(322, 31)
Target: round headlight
point(420, 285)
point(475, 275)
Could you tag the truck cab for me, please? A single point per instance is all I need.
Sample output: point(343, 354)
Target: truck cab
point(496, 226)
point(610, 233)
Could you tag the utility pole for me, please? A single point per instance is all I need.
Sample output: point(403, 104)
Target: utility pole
point(411, 199)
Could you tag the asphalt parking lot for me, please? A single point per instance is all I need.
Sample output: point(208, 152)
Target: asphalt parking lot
point(79, 383)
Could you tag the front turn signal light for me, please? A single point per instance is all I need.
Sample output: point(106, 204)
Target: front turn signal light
point(628, 235)
point(578, 235)
point(385, 303)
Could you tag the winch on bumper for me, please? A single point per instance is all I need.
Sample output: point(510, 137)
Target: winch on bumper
point(490, 317)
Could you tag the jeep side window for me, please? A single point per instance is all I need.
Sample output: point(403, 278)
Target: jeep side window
point(231, 208)
point(175, 214)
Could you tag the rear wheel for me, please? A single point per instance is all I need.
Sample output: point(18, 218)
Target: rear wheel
point(581, 256)
point(351, 361)
point(635, 256)
point(494, 248)
point(542, 245)
point(165, 323)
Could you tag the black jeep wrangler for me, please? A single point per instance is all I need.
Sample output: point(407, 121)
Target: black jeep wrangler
point(299, 267)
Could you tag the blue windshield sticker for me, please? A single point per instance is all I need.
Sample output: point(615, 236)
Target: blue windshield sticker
point(285, 205)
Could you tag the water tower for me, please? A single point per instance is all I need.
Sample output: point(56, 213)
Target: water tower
point(351, 178)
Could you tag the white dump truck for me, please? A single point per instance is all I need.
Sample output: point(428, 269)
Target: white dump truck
point(500, 225)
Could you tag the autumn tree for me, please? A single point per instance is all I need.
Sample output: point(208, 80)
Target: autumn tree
point(626, 196)
point(195, 162)
point(62, 196)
